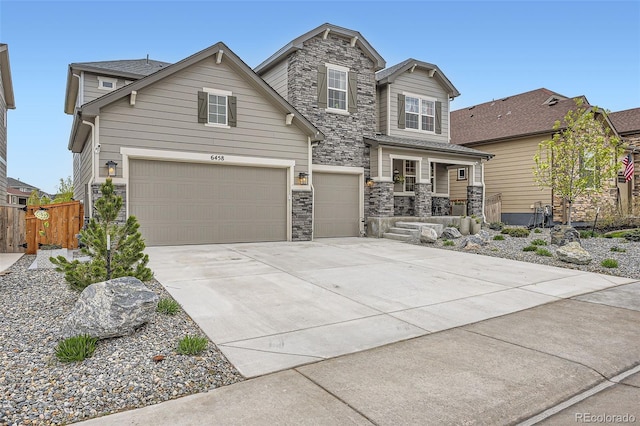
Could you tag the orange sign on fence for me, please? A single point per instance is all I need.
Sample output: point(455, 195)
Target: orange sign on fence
point(53, 224)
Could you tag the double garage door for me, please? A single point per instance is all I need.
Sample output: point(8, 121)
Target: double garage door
point(192, 203)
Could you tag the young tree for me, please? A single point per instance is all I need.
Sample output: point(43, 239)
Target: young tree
point(580, 157)
point(64, 191)
point(125, 257)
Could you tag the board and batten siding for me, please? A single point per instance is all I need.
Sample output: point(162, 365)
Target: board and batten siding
point(90, 90)
point(277, 78)
point(418, 83)
point(381, 109)
point(510, 172)
point(165, 118)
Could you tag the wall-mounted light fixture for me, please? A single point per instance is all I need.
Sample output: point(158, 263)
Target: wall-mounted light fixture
point(111, 168)
point(369, 181)
point(303, 178)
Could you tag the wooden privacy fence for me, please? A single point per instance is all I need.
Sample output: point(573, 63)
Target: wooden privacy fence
point(493, 208)
point(60, 227)
point(12, 229)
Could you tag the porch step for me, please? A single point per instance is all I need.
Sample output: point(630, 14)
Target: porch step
point(415, 226)
point(399, 237)
point(404, 231)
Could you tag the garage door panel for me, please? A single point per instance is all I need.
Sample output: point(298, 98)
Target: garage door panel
point(184, 203)
point(336, 204)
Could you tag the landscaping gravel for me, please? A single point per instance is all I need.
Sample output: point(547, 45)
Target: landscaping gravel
point(628, 257)
point(36, 388)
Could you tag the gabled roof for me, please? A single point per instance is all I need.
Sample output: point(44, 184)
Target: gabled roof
point(91, 109)
point(15, 183)
point(529, 113)
point(426, 145)
point(5, 72)
point(388, 75)
point(298, 43)
point(132, 69)
point(626, 122)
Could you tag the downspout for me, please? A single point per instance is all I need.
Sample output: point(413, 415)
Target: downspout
point(93, 165)
point(313, 192)
point(484, 192)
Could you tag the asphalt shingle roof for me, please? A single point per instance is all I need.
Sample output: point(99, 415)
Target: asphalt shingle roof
point(627, 121)
point(514, 116)
point(388, 71)
point(423, 144)
point(139, 67)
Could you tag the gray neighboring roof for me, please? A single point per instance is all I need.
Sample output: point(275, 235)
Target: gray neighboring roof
point(15, 183)
point(79, 132)
point(298, 43)
point(425, 145)
point(388, 75)
point(626, 122)
point(136, 68)
point(5, 70)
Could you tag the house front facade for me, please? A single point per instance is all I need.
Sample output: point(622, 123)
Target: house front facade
point(7, 102)
point(320, 140)
point(627, 124)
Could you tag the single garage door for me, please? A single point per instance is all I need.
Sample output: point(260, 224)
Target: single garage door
point(189, 203)
point(337, 205)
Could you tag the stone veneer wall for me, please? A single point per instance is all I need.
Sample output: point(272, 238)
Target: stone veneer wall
point(120, 190)
point(343, 144)
point(403, 206)
point(440, 206)
point(381, 199)
point(423, 199)
point(301, 216)
point(474, 201)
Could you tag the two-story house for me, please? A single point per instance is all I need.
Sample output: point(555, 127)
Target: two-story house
point(7, 101)
point(318, 141)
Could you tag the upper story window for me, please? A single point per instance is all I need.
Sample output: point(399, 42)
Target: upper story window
point(337, 89)
point(106, 83)
point(217, 108)
point(419, 113)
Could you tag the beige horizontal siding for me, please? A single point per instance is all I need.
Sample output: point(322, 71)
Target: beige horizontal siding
point(510, 172)
point(457, 188)
point(165, 118)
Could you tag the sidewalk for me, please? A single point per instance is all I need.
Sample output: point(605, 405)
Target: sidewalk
point(8, 259)
point(498, 371)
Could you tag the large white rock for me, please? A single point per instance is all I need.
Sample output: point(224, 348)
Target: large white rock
point(573, 253)
point(428, 235)
point(111, 308)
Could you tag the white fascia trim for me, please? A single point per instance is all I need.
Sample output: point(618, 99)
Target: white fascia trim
point(379, 162)
point(473, 164)
point(81, 89)
point(389, 109)
point(338, 169)
point(199, 157)
point(3, 161)
point(440, 195)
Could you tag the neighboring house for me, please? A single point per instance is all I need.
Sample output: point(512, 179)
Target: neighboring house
point(7, 101)
point(206, 151)
point(627, 124)
point(18, 192)
point(511, 128)
point(309, 145)
point(387, 127)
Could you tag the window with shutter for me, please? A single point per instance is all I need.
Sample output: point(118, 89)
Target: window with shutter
point(419, 113)
point(217, 108)
point(337, 88)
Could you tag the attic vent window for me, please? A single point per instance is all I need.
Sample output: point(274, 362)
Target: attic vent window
point(106, 83)
point(553, 102)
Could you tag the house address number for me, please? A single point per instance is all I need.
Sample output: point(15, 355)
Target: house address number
point(216, 157)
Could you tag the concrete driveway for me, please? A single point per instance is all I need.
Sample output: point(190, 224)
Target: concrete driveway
point(273, 306)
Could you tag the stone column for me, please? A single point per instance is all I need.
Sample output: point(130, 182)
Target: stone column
point(381, 199)
point(301, 216)
point(422, 204)
point(474, 201)
point(119, 189)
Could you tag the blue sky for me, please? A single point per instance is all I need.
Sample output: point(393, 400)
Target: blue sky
point(488, 50)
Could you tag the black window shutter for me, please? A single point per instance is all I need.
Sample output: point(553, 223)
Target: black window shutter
point(203, 109)
point(438, 117)
point(233, 116)
point(353, 91)
point(322, 86)
point(401, 112)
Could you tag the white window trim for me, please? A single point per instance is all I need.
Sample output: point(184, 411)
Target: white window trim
point(346, 98)
point(102, 80)
point(421, 98)
point(418, 161)
point(463, 175)
point(217, 92)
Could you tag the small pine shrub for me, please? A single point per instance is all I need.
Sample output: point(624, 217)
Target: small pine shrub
point(192, 345)
point(168, 306)
point(530, 248)
point(498, 237)
point(448, 243)
point(516, 232)
point(539, 242)
point(609, 263)
point(541, 251)
point(76, 348)
point(587, 234)
point(537, 231)
point(496, 226)
point(618, 249)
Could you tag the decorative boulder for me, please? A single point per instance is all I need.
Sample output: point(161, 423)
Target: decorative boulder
point(484, 236)
point(468, 245)
point(563, 234)
point(111, 308)
point(428, 235)
point(478, 240)
point(573, 253)
point(451, 233)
